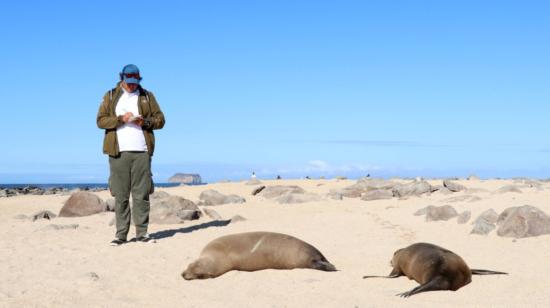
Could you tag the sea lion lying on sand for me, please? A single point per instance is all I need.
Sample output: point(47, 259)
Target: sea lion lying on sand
point(434, 267)
point(254, 251)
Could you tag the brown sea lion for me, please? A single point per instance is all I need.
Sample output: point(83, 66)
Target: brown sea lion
point(254, 251)
point(434, 267)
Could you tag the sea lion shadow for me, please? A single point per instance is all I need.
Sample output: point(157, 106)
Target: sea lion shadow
point(169, 233)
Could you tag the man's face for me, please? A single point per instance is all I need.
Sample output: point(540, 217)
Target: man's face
point(130, 87)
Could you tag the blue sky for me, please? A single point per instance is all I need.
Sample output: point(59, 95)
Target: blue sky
point(432, 88)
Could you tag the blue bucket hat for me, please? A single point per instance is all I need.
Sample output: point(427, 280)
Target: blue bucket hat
point(130, 74)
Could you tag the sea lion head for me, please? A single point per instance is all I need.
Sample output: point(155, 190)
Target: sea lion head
point(202, 268)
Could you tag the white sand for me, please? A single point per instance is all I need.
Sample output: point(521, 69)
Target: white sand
point(53, 268)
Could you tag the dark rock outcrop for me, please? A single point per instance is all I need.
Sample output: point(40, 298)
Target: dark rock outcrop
point(186, 178)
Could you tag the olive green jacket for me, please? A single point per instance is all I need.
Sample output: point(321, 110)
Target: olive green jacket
point(107, 119)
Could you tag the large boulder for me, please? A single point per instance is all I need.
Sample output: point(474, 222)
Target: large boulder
point(378, 194)
point(444, 212)
point(508, 189)
point(272, 192)
point(186, 178)
point(82, 204)
point(214, 197)
point(464, 217)
point(452, 186)
point(173, 210)
point(364, 185)
point(435, 213)
point(415, 188)
point(485, 222)
point(523, 221)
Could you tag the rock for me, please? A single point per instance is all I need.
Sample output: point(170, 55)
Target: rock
point(530, 183)
point(452, 186)
point(441, 190)
point(292, 198)
point(378, 194)
point(464, 198)
point(44, 214)
point(473, 177)
point(93, 276)
point(3, 193)
point(213, 197)
point(272, 192)
point(464, 217)
point(173, 210)
point(364, 185)
point(435, 213)
point(158, 195)
point(186, 178)
point(257, 190)
point(82, 204)
point(237, 218)
point(423, 211)
point(523, 221)
point(508, 189)
point(335, 195)
point(482, 227)
point(253, 181)
point(411, 189)
point(485, 222)
point(212, 214)
point(110, 203)
point(489, 215)
point(339, 177)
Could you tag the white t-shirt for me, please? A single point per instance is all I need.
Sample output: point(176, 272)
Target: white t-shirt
point(130, 136)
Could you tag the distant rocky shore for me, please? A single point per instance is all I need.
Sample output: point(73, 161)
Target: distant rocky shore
point(33, 190)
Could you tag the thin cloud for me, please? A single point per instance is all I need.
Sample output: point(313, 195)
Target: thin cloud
point(381, 143)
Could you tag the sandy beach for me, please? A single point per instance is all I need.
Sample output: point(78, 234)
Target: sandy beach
point(75, 267)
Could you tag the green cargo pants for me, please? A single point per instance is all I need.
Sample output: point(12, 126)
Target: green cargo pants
point(131, 173)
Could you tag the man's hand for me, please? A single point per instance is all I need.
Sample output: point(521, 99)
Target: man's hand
point(126, 117)
point(138, 121)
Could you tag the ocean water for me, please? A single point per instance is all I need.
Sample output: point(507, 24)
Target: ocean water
point(70, 186)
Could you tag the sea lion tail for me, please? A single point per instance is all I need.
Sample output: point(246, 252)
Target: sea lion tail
point(486, 272)
point(324, 266)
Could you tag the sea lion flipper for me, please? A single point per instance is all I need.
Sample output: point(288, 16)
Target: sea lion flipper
point(324, 266)
point(486, 272)
point(438, 283)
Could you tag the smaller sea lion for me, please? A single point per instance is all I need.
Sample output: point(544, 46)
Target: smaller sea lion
point(254, 251)
point(434, 267)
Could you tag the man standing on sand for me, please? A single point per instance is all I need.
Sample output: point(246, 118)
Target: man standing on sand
point(129, 114)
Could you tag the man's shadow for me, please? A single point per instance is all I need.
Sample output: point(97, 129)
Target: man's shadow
point(169, 233)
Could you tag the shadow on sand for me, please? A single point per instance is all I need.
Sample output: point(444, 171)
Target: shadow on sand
point(169, 233)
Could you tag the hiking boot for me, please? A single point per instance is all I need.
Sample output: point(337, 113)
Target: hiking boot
point(117, 242)
point(144, 239)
